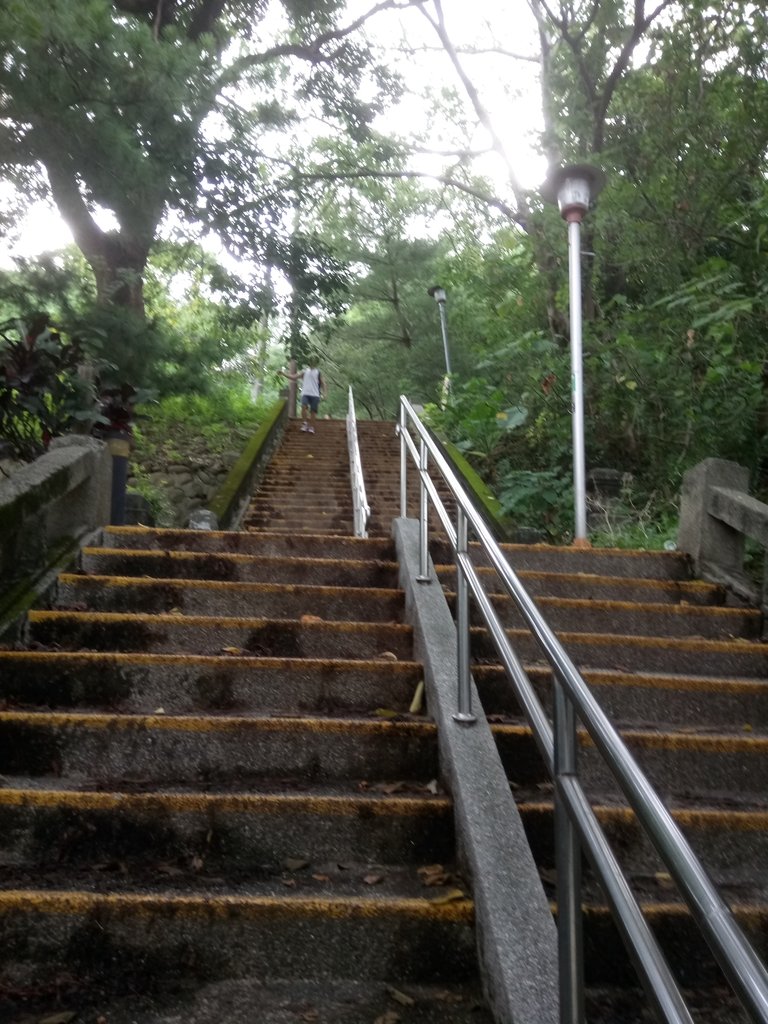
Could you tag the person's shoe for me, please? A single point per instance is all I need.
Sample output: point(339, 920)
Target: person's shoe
point(311, 430)
point(304, 427)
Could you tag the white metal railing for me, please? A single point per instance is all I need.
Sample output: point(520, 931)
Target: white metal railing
point(361, 509)
point(575, 821)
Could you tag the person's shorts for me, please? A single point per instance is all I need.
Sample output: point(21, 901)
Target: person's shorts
point(312, 401)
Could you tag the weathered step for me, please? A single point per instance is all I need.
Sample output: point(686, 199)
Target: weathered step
point(239, 568)
point(198, 634)
point(308, 521)
point(629, 697)
point(143, 941)
point(263, 544)
point(588, 586)
point(678, 935)
point(182, 683)
point(677, 763)
point(215, 749)
point(660, 620)
point(203, 833)
point(661, 565)
point(268, 1001)
point(194, 597)
point(649, 654)
point(729, 842)
point(330, 501)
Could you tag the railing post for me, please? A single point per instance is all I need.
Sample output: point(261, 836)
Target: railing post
point(568, 864)
point(464, 713)
point(423, 576)
point(403, 464)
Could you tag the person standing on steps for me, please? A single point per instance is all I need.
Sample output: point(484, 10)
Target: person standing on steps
point(312, 391)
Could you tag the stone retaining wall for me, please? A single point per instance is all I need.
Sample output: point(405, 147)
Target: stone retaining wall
point(188, 485)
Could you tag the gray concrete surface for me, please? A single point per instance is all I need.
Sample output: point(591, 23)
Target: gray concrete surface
point(516, 933)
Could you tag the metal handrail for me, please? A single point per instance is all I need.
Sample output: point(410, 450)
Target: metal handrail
point(575, 819)
point(360, 507)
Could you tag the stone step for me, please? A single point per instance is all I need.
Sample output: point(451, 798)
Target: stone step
point(632, 617)
point(150, 940)
point(657, 565)
point(242, 568)
point(215, 749)
point(280, 1001)
point(214, 598)
point(645, 698)
point(645, 654)
point(678, 764)
point(691, 961)
point(242, 833)
point(588, 586)
point(199, 634)
point(181, 683)
point(263, 544)
point(729, 842)
point(309, 521)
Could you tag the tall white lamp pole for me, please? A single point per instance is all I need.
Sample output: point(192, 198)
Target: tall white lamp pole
point(574, 186)
point(438, 294)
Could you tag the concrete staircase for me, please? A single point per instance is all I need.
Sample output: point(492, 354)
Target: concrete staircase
point(215, 801)
point(683, 676)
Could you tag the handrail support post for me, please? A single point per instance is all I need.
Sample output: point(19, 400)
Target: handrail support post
point(464, 713)
point(568, 866)
point(423, 576)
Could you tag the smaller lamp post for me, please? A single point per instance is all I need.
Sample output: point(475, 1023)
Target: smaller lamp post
point(573, 187)
point(438, 294)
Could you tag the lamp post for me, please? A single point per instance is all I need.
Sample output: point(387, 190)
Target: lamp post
point(573, 187)
point(438, 294)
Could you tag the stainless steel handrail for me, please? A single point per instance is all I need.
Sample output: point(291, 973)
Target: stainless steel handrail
point(574, 816)
point(360, 508)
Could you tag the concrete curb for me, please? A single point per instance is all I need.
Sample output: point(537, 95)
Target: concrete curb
point(516, 933)
point(231, 500)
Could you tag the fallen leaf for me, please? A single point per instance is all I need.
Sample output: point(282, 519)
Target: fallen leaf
point(434, 874)
point(295, 863)
point(433, 787)
point(196, 863)
point(387, 656)
point(747, 728)
point(390, 787)
point(159, 711)
point(386, 713)
point(418, 699)
point(401, 997)
point(373, 879)
point(390, 1017)
point(289, 883)
point(310, 1015)
point(58, 1018)
point(175, 611)
point(664, 879)
point(233, 650)
point(310, 618)
point(451, 896)
point(169, 869)
point(322, 878)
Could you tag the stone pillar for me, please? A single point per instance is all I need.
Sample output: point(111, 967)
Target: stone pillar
point(707, 540)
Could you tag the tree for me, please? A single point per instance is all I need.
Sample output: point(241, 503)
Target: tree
point(127, 109)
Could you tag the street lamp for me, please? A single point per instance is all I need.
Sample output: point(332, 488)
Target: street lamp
point(438, 294)
point(573, 187)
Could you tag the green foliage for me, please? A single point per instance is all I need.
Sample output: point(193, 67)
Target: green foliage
point(213, 421)
point(540, 499)
point(41, 394)
point(475, 420)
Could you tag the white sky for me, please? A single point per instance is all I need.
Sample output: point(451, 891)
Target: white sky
point(508, 89)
